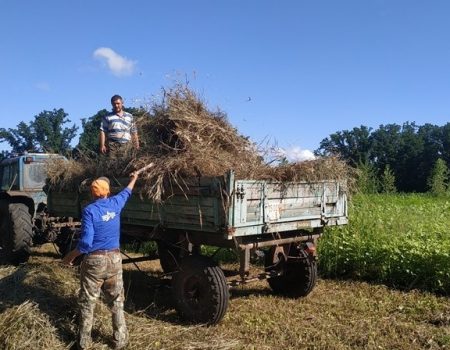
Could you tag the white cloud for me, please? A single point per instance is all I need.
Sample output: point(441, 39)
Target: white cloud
point(117, 64)
point(42, 85)
point(296, 154)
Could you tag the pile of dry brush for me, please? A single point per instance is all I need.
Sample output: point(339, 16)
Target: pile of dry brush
point(184, 139)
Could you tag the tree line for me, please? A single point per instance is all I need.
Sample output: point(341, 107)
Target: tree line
point(405, 158)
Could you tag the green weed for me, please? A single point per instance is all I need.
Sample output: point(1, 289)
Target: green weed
point(397, 239)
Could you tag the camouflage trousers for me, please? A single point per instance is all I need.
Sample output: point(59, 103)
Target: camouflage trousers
point(117, 150)
point(102, 273)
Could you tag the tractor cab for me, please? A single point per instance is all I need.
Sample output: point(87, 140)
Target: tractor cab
point(26, 175)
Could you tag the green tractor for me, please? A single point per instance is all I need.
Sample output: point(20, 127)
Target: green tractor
point(23, 206)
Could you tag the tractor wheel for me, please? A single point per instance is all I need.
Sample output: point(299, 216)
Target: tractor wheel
point(297, 273)
point(200, 290)
point(16, 233)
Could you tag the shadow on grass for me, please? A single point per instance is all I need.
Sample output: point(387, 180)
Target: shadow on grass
point(47, 287)
point(238, 292)
point(150, 295)
point(412, 286)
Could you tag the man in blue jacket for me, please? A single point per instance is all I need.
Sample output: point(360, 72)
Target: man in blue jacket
point(101, 269)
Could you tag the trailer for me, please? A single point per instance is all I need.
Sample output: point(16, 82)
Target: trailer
point(283, 221)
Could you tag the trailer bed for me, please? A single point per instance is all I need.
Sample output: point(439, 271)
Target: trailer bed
point(226, 206)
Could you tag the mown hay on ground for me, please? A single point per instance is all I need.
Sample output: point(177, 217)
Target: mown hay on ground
point(38, 307)
point(25, 327)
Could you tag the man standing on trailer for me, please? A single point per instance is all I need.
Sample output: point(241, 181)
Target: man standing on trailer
point(101, 269)
point(117, 129)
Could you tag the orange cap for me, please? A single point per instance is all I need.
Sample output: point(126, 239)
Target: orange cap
point(100, 187)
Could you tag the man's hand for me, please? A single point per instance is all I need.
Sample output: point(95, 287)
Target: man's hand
point(133, 177)
point(67, 261)
point(102, 142)
point(70, 257)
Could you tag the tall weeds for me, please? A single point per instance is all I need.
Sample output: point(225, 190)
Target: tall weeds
point(399, 240)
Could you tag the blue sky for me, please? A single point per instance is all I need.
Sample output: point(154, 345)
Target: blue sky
point(292, 72)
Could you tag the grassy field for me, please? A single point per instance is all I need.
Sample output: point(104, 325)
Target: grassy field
point(399, 240)
point(392, 263)
point(38, 311)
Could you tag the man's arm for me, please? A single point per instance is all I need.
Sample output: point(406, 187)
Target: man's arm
point(134, 133)
point(121, 198)
point(102, 142)
point(135, 139)
point(71, 256)
point(134, 175)
point(85, 242)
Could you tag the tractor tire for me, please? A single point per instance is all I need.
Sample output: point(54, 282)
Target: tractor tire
point(200, 290)
point(298, 274)
point(16, 233)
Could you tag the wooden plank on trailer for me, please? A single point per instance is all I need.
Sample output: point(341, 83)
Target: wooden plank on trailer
point(206, 202)
point(296, 202)
point(299, 212)
point(294, 191)
point(141, 215)
point(189, 221)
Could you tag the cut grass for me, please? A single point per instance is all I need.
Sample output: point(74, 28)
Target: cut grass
point(38, 306)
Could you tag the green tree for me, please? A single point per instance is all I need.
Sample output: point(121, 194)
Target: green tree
point(407, 164)
point(367, 181)
point(46, 133)
point(88, 142)
point(385, 143)
point(3, 155)
point(21, 139)
point(431, 138)
point(352, 145)
point(445, 140)
point(49, 132)
point(387, 183)
point(438, 179)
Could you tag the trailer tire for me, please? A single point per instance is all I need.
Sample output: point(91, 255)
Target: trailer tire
point(200, 290)
point(169, 256)
point(16, 233)
point(298, 273)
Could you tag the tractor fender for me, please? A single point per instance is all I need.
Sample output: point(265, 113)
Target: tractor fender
point(17, 197)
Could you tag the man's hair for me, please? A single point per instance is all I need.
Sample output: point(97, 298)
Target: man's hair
point(115, 98)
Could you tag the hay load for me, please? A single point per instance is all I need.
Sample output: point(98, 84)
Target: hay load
point(184, 139)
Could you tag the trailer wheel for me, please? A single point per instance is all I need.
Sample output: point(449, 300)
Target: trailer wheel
point(298, 273)
point(16, 233)
point(169, 256)
point(200, 290)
